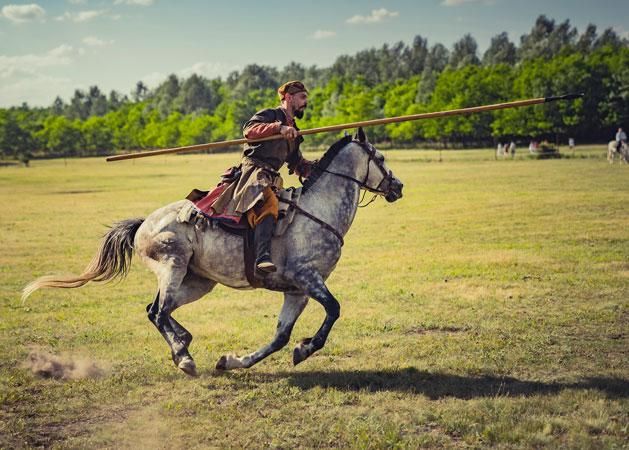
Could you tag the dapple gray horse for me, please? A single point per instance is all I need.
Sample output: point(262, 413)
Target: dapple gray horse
point(189, 262)
point(612, 151)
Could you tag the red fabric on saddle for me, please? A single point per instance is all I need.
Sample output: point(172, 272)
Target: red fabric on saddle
point(204, 205)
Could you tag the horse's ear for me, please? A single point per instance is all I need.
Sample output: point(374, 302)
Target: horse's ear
point(360, 135)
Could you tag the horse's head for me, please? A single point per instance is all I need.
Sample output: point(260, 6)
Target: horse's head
point(378, 178)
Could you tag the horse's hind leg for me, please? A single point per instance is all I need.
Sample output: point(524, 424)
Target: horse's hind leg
point(313, 285)
point(196, 287)
point(293, 306)
point(183, 334)
point(174, 292)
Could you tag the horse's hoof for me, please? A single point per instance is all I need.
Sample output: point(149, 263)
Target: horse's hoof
point(222, 363)
point(298, 356)
point(188, 366)
point(301, 353)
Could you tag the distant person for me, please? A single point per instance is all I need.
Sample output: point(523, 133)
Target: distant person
point(571, 143)
point(499, 149)
point(532, 147)
point(512, 149)
point(621, 138)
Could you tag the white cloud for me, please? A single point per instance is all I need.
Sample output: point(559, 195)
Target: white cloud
point(153, 79)
point(323, 34)
point(77, 2)
point(23, 13)
point(62, 55)
point(81, 16)
point(93, 41)
point(24, 78)
point(35, 89)
point(205, 69)
point(377, 15)
point(134, 2)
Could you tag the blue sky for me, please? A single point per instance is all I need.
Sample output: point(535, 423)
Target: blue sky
point(50, 48)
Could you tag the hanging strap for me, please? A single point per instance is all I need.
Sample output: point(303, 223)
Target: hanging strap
point(315, 219)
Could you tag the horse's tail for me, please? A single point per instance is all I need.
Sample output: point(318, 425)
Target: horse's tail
point(112, 260)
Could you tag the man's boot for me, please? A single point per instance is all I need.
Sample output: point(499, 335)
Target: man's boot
point(263, 234)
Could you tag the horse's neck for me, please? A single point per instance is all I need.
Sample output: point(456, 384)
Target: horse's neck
point(332, 198)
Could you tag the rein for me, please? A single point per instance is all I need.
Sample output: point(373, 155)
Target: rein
point(315, 219)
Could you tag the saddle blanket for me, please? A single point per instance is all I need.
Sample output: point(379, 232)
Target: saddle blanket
point(200, 207)
point(203, 201)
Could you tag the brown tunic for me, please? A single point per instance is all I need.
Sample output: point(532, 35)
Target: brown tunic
point(260, 165)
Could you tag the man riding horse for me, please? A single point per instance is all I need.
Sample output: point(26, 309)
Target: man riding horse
point(253, 194)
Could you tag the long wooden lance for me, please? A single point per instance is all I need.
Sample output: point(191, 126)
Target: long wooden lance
point(344, 126)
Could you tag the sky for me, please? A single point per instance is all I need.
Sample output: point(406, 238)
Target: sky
point(50, 48)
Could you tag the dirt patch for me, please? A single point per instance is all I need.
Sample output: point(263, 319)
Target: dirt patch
point(62, 367)
point(436, 329)
point(82, 191)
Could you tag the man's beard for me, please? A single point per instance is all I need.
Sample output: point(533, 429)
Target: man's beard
point(299, 113)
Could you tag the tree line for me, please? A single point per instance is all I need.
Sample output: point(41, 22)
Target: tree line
point(553, 58)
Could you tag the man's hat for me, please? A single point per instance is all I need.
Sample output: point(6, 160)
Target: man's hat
point(292, 87)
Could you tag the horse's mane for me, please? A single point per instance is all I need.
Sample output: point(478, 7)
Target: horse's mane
point(325, 161)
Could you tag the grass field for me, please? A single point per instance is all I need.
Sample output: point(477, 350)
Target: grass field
point(488, 307)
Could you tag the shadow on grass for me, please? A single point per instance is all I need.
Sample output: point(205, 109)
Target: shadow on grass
point(439, 385)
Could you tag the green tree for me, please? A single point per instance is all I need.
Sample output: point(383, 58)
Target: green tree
point(253, 78)
point(400, 100)
point(196, 129)
point(141, 91)
point(79, 107)
point(467, 87)
point(416, 55)
point(586, 41)
point(501, 51)
point(97, 102)
point(15, 138)
point(541, 78)
point(127, 124)
point(61, 136)
point(546, 39)
point(464, 53)
point(195, 96)
point(293, 71)
point(98, 137)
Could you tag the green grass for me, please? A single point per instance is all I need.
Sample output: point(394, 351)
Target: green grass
point(488, 307)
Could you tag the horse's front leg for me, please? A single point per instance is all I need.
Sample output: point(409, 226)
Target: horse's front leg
point(293, 306)
point(313, 285)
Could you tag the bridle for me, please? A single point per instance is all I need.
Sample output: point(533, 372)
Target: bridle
point(387, 176)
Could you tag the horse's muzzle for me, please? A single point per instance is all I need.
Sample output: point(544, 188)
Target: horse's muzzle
point(395, 191)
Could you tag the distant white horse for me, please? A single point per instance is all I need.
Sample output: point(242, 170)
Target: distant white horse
point(612, 151)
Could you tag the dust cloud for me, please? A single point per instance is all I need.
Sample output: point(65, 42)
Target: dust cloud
point(64, 367)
